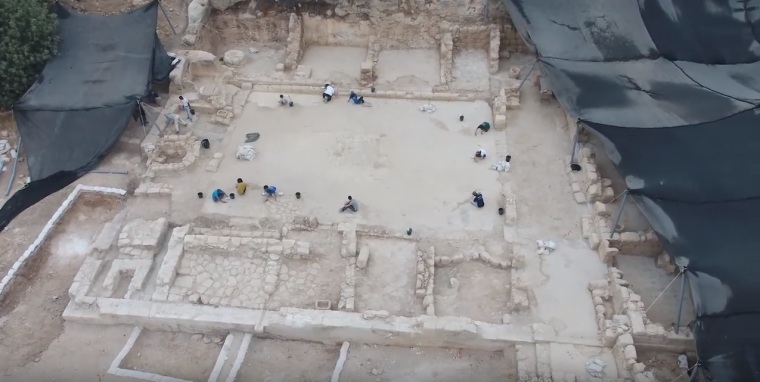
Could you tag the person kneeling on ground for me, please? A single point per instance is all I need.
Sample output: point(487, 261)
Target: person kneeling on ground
point(175, 120)
point(327, 94)
point(355, 98)
point(285, 101)
point(483, 127)
point(270, 192)
point(219, 196)
point(351, 204)
point(480, 154)
point(478, 200)
point(241, 186)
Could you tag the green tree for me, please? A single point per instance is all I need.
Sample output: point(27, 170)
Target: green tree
point(28, 38)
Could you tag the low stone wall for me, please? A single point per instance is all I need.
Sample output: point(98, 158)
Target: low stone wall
point(348, 251)
point(621, 317)
point(300, 324)
point(425, 283)
point(249, 246)
point(18, 266)
point(636, 243)
point(367, 75)
point(295, 46)
point(482, 256)
point(447, 58)
point(493, 49)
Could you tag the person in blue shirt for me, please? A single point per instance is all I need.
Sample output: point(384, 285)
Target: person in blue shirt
point(219, 196)
point(355, 98)
point(270, 192)
point(478, 199)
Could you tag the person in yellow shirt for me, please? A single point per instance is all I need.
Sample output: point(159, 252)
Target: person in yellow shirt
point(241, 186)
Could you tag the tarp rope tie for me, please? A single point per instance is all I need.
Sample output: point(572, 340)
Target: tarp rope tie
point(687, 370)
point(663, 291)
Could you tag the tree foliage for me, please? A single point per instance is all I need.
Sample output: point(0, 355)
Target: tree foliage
point(28, 38)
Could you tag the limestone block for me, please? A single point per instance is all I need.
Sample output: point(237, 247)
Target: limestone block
point(222, 5)
point(513, 103)
point(500, 121)
point(607, 195)
point(630, 237)
point(361, 261)
point(629, 352)
point(234, 57)
point(579, 197)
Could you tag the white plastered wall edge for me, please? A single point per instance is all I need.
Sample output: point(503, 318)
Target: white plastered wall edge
point(42, 237)
point(140, 375)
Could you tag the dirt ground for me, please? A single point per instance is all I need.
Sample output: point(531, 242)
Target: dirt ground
point(306, 361)
point(162, 352)
point(389, 280)
point(339, 149)
point(649, 282)
point(176, 11)
point(664, 365)
point(31, 314)
point(395, 364)
point(480, 292)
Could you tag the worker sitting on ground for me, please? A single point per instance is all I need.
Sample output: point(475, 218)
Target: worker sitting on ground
point(241, 186)
point(285, 101)
point(480, 154)
point(483, 127)
point(219, 196)
point(355, 98)
point(328, 93)
point(478, 199)
point(351, 204)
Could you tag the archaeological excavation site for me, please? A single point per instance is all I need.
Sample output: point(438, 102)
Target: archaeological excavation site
point(209, 237)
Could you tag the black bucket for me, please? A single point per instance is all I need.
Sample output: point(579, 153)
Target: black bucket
point(298, 195)
point(501, 211)
point(461, 117)
point(232, 196)
point(409, 232)
point(205, 143)
point(574, 167)
point(372, 89)
point(200, 195)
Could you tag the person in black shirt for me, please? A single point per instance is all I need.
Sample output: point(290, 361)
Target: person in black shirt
point(478, 199)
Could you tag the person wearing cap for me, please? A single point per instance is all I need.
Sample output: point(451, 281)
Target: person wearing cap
point(328, 93)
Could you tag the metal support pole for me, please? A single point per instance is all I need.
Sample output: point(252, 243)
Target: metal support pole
point(116, 172)
point(13, 172)
point(167, 17)
point(142, 120)
point(576, 139)
point(680, 301)
point(527, 75)
point(695, 373)
point(619, 214)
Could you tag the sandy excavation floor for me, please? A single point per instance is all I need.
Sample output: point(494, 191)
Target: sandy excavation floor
point(394, 364)
point(329, 151)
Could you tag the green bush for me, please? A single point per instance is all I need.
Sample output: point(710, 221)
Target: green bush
point(28, 38)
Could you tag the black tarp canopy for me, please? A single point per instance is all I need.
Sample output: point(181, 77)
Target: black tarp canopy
point(672, 89)
point(82, 102)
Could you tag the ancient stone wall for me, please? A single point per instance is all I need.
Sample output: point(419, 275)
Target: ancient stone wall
point(295, 47)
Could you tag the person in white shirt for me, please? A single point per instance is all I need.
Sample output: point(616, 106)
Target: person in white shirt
point(328, 93)
point(285, 101)
point(480, 154)
point(186, 106)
